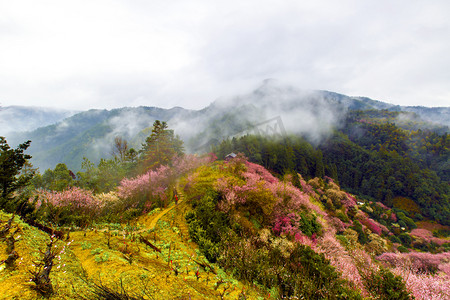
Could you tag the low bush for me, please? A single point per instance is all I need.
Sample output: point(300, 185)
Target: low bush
point(384, 285)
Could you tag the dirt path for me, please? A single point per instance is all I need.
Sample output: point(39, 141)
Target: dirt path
point(162, 213)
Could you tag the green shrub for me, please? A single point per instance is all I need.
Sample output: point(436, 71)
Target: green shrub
point(96, 251)
point(342, 216)
point(86, 245)
point(102, 258)
point(405, 239)
point(294, 270)
point(384, 285)
point(362, 237)
point(402, 224)
point(441, 233)
point(402, 249)
point(207, 225)
point(395, 239)
point(309, 224)
point(407, 221)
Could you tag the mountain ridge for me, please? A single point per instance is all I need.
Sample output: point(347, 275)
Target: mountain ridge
point(309, 112)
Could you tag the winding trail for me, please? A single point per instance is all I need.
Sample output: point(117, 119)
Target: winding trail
point(165, 211)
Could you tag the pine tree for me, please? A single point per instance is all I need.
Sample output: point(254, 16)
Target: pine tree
point(11, 163)
point(320, 172)
point(160, 147)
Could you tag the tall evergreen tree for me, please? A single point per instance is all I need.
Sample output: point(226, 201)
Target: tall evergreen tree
point(160, 147)
point(320, 169)
point(11, 163)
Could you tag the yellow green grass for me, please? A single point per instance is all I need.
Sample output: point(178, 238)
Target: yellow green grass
point(178, 272)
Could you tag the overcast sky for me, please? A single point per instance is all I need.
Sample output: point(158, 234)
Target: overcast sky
point(112, 53)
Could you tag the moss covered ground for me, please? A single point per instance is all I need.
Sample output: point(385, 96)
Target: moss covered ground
point(119, 257)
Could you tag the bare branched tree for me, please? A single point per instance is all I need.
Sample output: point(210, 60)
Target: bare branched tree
point(120, 148)
point(41, 273)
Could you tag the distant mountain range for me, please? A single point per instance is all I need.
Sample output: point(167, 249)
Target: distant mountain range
point(28, 118)
point(67, 136)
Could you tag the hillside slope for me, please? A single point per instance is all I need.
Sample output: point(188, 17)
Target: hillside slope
point(237, 232)
point(114, 258)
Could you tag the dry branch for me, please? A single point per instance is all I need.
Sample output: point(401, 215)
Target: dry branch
point(57, 233)
point(145, 241)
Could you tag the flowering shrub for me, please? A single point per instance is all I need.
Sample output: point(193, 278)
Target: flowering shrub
point(254, 190)
point(153, 188)
point(306, 188)
point(382, 206)
point(260, 171)
point(107, 198)
point(372, 225)
point(74, 205)
point(295, 270)
point(385, 285)
point(417, 270)
point(393, 217)
point(349, 201)
point(340, 258)
point(288, 225)
point(235, 192)
point(289, 199)
point(426, 236)
point(425, 286)
point(183, 164)
point(417, 261)
point(337, 196)
point(336, 223)
point(153, 184)
point(376, 245)
point(243, 194)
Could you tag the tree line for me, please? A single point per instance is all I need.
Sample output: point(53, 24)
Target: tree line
point(377, 160)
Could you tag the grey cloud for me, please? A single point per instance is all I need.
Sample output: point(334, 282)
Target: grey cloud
point(392, 51)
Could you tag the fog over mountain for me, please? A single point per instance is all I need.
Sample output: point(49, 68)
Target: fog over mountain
point(26, 118)
point(309, 113)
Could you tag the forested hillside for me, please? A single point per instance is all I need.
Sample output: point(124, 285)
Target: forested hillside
point(161, 224)
point(368, 156)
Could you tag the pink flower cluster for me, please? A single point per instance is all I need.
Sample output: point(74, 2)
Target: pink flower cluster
point(372, 225)
point(233, 193)
point(183, 164)
point(341, 259)
point(349, 201)
point(425, 286)
point(288, 225)
point(307, 188)
point(289, 199)
point(76, 198)
point(393, 217)
point(418, 261)
point(154, 182)
point(279, 201)
point(382, 206)
point(427, 236)
point(260, 171)
point(337, 224)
